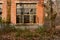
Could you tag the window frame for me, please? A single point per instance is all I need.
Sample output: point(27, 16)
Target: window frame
point(26, 14)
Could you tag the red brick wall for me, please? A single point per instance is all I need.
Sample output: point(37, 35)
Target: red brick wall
point(4, 9)
point(13, 12)
point(39, 12)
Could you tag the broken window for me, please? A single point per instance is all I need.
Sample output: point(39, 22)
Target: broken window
point(26, 13)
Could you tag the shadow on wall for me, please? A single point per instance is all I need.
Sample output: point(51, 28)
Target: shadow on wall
point(46, 22)
point(57, 21)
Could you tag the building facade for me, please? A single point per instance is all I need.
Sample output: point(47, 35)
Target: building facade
point(24, 11)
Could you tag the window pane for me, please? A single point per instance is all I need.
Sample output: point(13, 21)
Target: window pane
point(34, 19)
point(18, 5)
point(26, 11)
point(26, 18)
point(19, 19)
point(32, 11)
point(18, 11)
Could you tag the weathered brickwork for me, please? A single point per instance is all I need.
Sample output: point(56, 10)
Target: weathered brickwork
point(39, 11)
point(4, 9)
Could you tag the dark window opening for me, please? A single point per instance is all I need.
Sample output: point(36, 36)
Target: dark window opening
point(19, 17)
point(26, 19)
point(0, 10)
point(0, 13)
point(34, 19)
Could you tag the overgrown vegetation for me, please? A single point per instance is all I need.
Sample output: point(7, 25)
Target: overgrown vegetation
point(19, 34)
point(5, 27)
point(51, 10)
